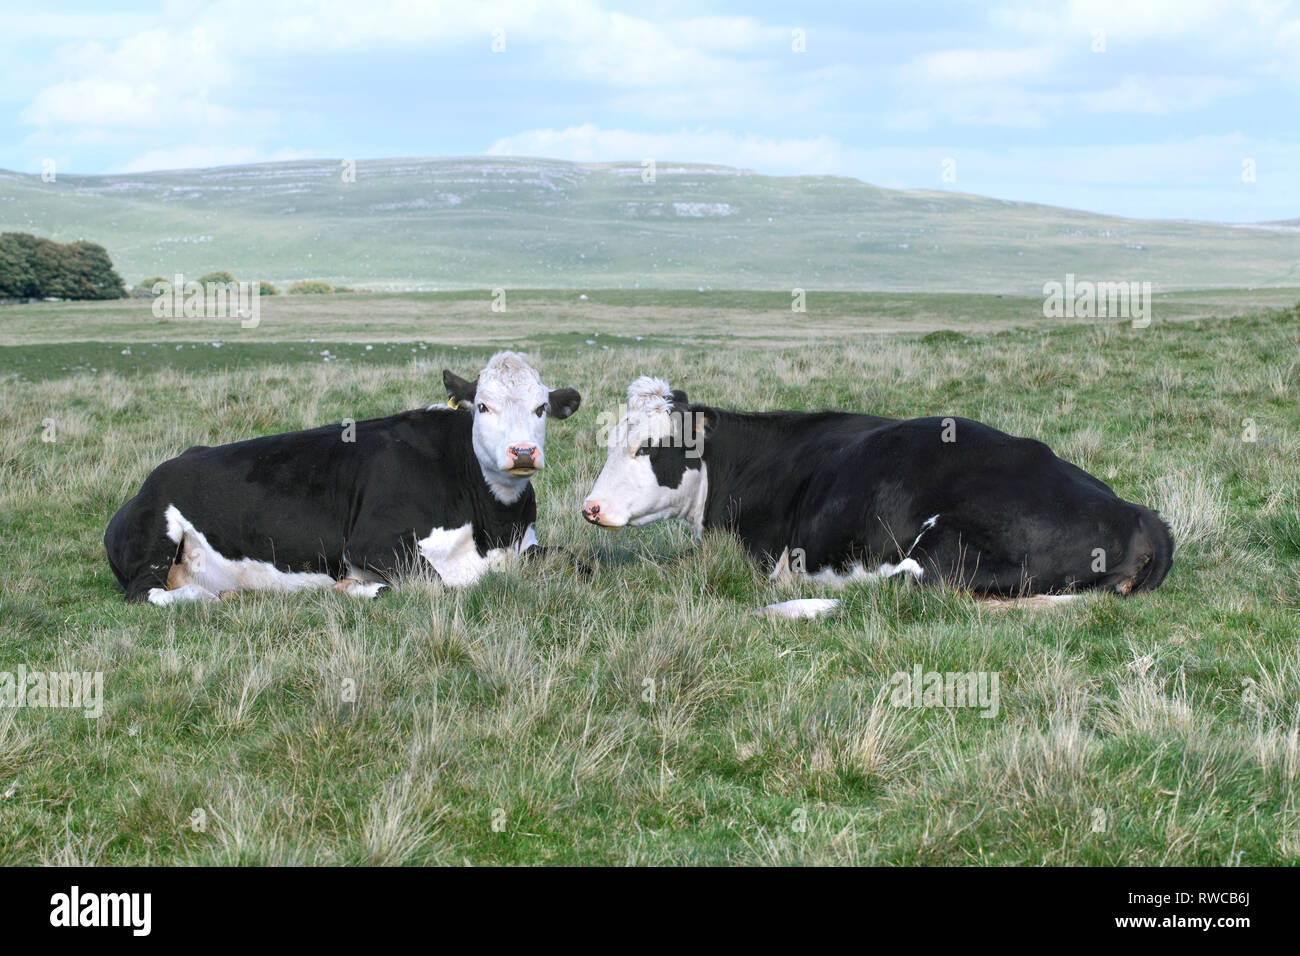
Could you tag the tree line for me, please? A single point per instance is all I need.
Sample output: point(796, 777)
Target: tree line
point(32, 267)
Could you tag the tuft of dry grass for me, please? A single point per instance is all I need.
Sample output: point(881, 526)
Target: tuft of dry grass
point(1196, 507)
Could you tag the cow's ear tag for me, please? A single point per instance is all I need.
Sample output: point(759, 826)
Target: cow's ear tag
point(452, 403)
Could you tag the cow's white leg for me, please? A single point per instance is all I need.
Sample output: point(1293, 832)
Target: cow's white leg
point(203, 565)
point(186, 592)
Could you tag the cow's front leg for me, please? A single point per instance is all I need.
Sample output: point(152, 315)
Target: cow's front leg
point(528, 550)
point(186, 592)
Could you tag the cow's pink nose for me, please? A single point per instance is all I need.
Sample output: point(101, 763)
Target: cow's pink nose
point(524, 451)
point(591, 511)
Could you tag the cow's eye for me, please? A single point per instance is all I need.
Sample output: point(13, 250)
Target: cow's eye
point(482, 407)
point(643, 450)
point(540, 410)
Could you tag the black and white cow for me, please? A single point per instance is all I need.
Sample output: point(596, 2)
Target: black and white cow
point(845, 496)
point(347, 506)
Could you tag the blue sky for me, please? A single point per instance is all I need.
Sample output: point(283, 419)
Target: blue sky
point(1146, 108)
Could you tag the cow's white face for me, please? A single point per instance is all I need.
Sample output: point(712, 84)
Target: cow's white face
point(654, 467)
point(510, 406)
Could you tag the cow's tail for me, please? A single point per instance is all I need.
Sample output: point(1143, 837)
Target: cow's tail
point(1150, 555)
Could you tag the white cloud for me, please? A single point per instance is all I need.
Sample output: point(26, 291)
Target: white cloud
point(980, 66)
point(1160, 57)
point(1256, 36)
point(66, 26)
point(1154, 18)
point(156, 78)
point(177, 75)
point(1159, 95)
point(98, 101)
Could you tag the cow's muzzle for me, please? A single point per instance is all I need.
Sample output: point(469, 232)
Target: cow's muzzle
point(591, 510)
point(524, 460)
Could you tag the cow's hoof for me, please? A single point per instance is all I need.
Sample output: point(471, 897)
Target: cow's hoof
point(584, 569)
point(362, 589)
point(158, 596)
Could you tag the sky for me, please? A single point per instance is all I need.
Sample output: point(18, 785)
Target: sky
point(1178, 109)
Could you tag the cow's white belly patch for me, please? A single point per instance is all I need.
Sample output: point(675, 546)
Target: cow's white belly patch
point(784, 567)
point(453, 555)
point(860, 573)
point(209, 570)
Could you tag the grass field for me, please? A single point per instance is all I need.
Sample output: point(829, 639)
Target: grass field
point(510, 722)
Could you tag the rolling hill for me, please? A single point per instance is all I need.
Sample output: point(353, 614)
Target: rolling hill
point(484, 222)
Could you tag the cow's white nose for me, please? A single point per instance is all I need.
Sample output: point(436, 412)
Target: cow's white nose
point(591, 511)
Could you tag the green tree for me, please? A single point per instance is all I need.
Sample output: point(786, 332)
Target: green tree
point(48, 261)
point(89, 273)
point(34, 267)
point(15, 270)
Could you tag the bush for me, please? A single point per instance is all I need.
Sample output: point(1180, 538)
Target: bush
point(265, 288)
point(223, 277)
point(343, 288)
point(144, 288)
point(310, 288)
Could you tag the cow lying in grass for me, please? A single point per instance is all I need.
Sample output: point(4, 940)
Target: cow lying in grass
point(841, 496)
point(345, 507)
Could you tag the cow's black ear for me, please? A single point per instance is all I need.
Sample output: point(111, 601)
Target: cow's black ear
point(563, 402)
point(679, 397)
point(459, 391)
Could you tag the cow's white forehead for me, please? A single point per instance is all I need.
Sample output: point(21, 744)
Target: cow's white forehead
point(649, 404)
point(509, 377)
